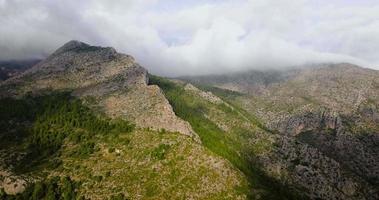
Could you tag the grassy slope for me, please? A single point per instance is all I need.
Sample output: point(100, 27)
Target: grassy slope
point(152, 165)
point(231, 144)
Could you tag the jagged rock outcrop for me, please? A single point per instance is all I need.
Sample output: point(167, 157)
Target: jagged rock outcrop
point(115, 81)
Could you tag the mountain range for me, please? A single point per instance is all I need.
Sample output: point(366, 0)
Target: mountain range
point(91, 123)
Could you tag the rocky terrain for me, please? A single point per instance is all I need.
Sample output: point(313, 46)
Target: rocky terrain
point(116, 82)
point(326, 120)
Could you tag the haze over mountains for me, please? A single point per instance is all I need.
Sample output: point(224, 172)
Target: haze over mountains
point(174, 38)
point(11, 68)
point(90, 122)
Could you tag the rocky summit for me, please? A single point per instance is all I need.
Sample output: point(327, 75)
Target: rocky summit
point(88, 122)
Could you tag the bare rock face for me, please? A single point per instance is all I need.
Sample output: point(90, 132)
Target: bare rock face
point(148, 108)
point(116, 82)
point(357, 151)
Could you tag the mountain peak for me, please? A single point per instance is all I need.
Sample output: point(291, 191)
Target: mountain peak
point(78, 46)
point(71, 45)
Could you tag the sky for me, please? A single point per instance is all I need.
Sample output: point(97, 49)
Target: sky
point(192, 37)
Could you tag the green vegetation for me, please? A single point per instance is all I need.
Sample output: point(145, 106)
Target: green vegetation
point(229, 94)
point(43, 123)
point(119, 196)
point(229, 145)
point(110, 158)
point(229, 97)
point(153, 166)
point(160, 152)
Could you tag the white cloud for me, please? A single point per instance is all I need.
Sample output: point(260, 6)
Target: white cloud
point(196, 37)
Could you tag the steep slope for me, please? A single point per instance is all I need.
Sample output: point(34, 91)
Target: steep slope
point(229, 132)
point(114, 80)
point(326, 122)
point(67, 132)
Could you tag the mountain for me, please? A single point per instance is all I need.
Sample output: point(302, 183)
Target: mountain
point(326, 119)
point(105, 76)
point(11, 68)
point(84, 123)
point(91, 123)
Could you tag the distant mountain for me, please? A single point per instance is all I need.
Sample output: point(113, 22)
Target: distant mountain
point(11, 68)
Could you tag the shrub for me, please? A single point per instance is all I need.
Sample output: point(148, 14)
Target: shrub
point(98, 178)
point(160, 152)
point(85, 149)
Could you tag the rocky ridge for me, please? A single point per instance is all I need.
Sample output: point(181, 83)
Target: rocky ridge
point(115, 81)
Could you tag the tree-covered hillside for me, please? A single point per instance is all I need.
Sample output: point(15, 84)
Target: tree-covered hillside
point(47, 138)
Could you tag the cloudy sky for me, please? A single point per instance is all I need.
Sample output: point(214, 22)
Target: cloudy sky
point(171, 37)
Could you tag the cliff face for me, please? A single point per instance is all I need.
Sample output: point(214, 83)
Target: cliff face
point(115, 81)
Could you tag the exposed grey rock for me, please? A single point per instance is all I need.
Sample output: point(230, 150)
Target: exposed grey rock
point(321, 176)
